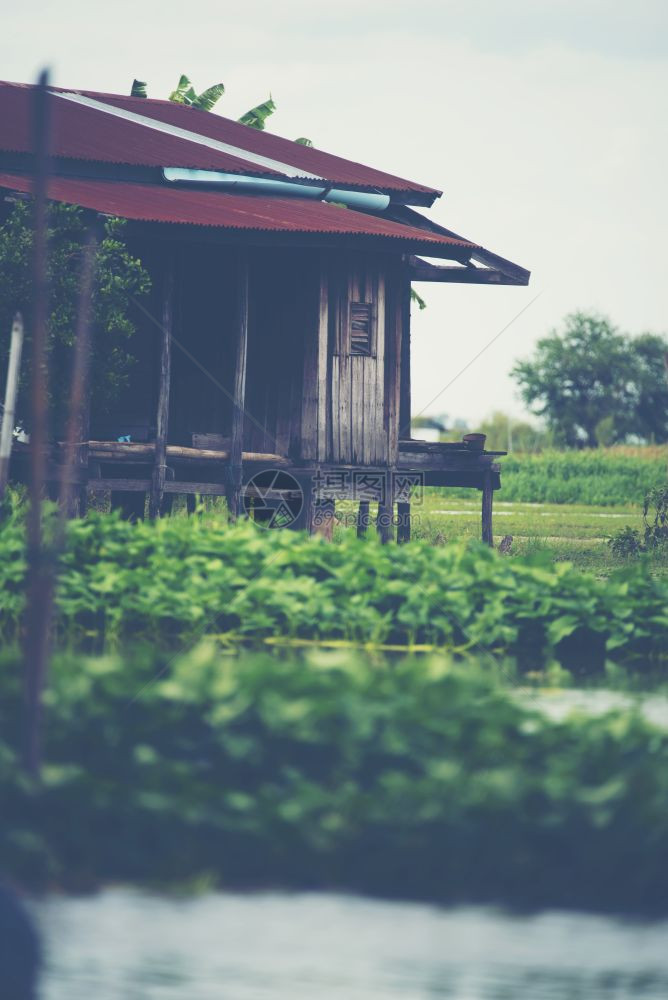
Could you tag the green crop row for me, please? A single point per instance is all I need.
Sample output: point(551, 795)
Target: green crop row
point(604, 477)
point(412, 777)
point(177, 579)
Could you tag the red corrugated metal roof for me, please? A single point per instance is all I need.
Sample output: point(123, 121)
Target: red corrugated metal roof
point(87, 134)
point(81, 133)
point(309, 159)
point(154, 203)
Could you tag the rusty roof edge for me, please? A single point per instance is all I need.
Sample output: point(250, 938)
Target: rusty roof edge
point(458, 248)
point(407, 216)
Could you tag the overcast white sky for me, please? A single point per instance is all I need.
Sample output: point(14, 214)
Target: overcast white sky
point(543, 122)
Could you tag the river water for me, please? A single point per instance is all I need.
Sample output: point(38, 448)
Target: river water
point(129, 945)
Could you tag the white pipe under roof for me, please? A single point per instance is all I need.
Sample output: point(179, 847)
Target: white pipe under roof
point(369, 201)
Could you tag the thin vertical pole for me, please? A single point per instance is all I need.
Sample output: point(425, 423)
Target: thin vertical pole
point(487, 498)
point(72, 496)
point(9, 413)
point(236, 443)
point(40, 568)
point(162, 418)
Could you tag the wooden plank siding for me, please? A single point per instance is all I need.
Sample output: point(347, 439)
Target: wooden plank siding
point(307, 397)
point(363, 418)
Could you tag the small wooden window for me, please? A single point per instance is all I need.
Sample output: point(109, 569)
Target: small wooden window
point(360, 328)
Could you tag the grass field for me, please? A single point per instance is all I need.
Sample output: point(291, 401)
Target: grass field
point(570, 532)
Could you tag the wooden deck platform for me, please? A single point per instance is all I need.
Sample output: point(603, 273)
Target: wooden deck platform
point(120, 467)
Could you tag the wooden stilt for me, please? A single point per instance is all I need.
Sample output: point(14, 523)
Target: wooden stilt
point(162, 417)
point(487, 498)
point(236, 442)
point(321, 519)
point(403, 523)
point(131, 505)
point(363, 518)
point(384, 523)
point(166, 504)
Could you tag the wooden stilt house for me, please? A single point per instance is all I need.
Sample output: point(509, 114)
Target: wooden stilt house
point(274, 354)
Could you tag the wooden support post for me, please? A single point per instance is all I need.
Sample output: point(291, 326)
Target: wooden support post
point(384, 525)
point(162, 417)
point(405, 368)
point(487, 498)
point(238, 404)
point(9, 413)
point(363, 518)
point(321, 518)
point(131, 504)
point(403, 523)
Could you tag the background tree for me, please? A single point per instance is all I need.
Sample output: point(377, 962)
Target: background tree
point(595, 385)
point(119, 277)
point(651, 354)
point(506, 433)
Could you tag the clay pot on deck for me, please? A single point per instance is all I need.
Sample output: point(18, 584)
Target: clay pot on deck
point(476, 442)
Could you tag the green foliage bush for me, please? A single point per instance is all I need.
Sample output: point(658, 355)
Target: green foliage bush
point(629, 541)
point(119, 278)
point(178, 579)
point(409, 777)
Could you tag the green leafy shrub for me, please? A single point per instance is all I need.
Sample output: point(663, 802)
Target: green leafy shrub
point(178, 579)
point(119, 277)
point(409, 777)
point(629, 542)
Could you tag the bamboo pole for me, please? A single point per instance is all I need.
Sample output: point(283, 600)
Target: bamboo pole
point(9, 413)
point(40, 568)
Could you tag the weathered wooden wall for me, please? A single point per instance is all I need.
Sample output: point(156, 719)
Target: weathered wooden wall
point(350, 411)
point(307, 396)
